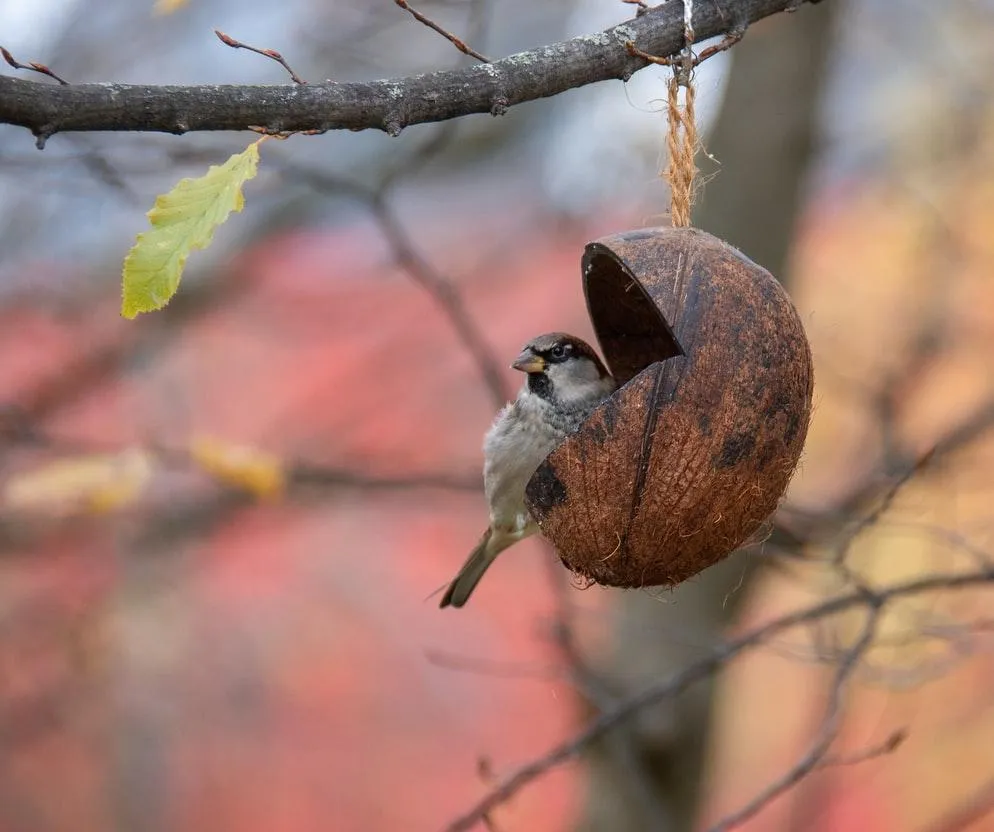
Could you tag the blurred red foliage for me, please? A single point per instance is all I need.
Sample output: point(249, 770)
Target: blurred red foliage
point(268, 666)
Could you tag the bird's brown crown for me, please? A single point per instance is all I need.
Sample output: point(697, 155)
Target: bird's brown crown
point(557, 347)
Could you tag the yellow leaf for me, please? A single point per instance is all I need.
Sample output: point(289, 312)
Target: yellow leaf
point(85, 484)
point(246, 468)
point(169, 6)
point(182, 220)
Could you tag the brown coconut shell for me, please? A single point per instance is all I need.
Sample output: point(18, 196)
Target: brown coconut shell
point(689, 457)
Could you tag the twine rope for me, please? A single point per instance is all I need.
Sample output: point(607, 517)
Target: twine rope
point(682, 138)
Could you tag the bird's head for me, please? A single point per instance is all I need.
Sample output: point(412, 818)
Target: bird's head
point(564, 369)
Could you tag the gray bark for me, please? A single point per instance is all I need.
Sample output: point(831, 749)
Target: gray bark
point(389, 105)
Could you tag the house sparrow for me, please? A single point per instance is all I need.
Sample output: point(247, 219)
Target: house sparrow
point(565, 382)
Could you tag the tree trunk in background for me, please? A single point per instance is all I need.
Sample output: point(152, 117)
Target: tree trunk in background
point(647, 776)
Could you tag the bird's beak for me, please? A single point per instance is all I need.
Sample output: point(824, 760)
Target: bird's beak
point(528, 362)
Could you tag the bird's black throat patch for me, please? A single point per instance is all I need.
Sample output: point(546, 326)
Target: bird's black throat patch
point(541, 385)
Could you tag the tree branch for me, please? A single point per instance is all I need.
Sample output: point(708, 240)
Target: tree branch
point(388, 105)
point(872, 599)
point(827, 734)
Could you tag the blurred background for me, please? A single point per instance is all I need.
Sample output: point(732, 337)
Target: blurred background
point(221, 524)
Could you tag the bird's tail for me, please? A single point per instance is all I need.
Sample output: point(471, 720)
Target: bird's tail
point(476, 565)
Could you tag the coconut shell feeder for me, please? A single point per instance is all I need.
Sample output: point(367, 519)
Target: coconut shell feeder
point(688, 458)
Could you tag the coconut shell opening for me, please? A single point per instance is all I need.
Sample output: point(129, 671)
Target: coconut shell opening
point(631, 329)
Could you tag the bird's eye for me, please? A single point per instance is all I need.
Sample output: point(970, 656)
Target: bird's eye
point(560, 350)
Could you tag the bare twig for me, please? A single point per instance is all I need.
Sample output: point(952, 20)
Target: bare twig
point(441, 289)
point(620, 745)
point(484, 770)
point(451, 38)
point(641, 6)
point(827, 733)
point(881, 749)
point(33, 66)
point(448, 298)
point(810, 525)
point(587, 682)
point(659, 60)
point(703, 668)
point(727, 42)
point(884, 503)
point(227, 40)
point(102, 170)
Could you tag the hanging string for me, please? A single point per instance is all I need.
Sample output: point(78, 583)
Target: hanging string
point(682, 137)
point(682, 142)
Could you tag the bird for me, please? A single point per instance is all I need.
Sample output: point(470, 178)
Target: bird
point(564, 381)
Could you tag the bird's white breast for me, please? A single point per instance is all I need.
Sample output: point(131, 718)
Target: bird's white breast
point(523, 434)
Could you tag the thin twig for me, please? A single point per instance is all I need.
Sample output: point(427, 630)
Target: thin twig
point(811, 525)
point(620, 746)
point(451, 38)
point(33, 66)
point(447, 296)
point(731, 38)
point(881, 749)
point(227, 40)
point(563, 631)
point(659, 60)
point(642, 6)
point(882, 507)
point(484, 770)
point(827, 733)
point(442, 290)
point(702, 669)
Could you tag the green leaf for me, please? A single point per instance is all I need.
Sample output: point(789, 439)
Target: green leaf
point(182, 220)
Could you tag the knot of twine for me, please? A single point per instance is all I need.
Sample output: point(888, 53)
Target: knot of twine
point(682, 137)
